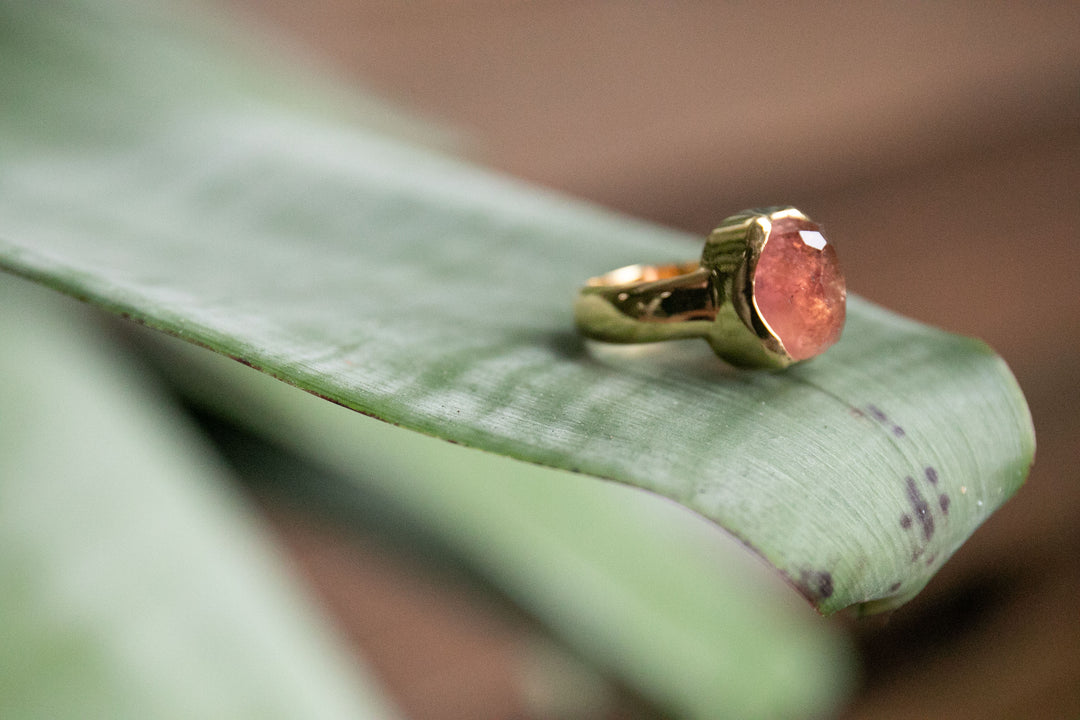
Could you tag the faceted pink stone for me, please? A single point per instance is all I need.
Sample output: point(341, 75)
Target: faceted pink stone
point(799, 289)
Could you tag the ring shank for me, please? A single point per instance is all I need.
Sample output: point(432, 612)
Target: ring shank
point(647, 303)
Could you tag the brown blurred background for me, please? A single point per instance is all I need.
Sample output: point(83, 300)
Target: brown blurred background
point(939, 143)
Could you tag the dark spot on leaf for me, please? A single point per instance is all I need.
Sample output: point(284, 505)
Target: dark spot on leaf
point(894, 587)
point(824, 584)
point(905, 521)
point(931, 476)
point(944, 502)
point(921, 507)
point(881, 417)
point(814, 585)
point(930, 560)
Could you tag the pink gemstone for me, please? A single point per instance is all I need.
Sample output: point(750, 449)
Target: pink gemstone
point(799, 289)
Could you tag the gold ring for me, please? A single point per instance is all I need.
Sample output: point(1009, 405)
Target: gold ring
point(767, 292)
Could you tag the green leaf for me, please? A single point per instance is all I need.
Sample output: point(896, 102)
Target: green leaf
point(641, 588)
point(136, 585)
point(437, 296)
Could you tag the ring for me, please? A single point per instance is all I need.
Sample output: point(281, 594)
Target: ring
point(767, 292)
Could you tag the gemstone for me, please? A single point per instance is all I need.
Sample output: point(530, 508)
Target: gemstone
point(799, 290)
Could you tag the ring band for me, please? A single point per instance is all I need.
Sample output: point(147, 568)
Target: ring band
point(767, 292)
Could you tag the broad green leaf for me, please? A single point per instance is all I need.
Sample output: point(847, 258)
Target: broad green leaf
point(437, 296)
point(641, 588)
point(135, 584)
